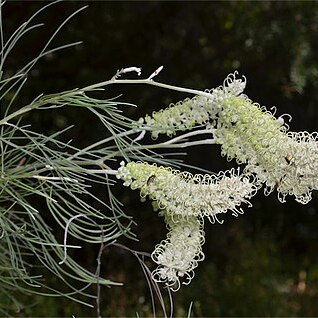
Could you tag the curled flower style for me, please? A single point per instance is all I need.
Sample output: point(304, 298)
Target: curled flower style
point(186, 195)
point(301, 174)
point(200, 110)
point(179, 254)
point(284, 161)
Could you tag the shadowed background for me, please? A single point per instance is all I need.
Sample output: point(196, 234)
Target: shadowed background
point(263, 263)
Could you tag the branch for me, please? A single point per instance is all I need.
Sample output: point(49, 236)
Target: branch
point(113, 80)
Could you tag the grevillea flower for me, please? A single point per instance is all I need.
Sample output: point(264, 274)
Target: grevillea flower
point(184, 199)
point(283, 160)
point(200, 110)
point(179, 254)
point(186, 195)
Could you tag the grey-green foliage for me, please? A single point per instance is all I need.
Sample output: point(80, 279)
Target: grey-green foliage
point(44, 177)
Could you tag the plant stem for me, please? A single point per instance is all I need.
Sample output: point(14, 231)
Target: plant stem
point(42, 102)
point(148, 82)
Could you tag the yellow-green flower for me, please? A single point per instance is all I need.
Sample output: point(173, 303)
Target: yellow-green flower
point(250, 134)
point(282, 160)
point(200, 110)
point(185, 199)
point(184, 194)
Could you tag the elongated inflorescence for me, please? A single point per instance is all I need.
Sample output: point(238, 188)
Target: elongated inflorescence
point(186, 195)
point(285, 161)
point(200, 110)
point(185, 199)
point(179, 254)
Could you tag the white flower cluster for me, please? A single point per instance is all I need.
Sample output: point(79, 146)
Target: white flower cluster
point(184, 194)
point(185, 199)
point(301, 174)
point(179, 254)
point(200, 110)
point(284, 161)
point(281, 160)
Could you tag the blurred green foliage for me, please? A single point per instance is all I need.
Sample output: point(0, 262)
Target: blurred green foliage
point(265, 262)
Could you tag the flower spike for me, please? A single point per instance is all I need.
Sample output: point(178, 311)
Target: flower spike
point(186, 195)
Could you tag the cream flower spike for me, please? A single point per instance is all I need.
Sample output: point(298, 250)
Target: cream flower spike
point(186, 195)
point(199, 110)
point(284, 161)
point(179, 254)
point(184, 199)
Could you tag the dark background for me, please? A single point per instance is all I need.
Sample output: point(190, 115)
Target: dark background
point(263, 263)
